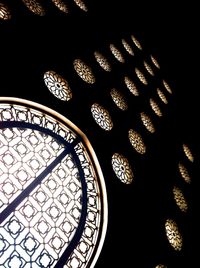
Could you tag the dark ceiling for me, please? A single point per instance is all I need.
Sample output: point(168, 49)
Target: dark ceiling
point(32, 45)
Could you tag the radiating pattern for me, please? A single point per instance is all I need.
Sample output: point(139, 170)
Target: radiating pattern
point(48, 186)
point(162, 96)
point(60, 5)
point(131, 86)
point(116, 53)
point(57, 85)
point(136, 141)
point(146, 120)
point(35, 7)
point(173, 235)
point(136, 42)
point(4, 12)
point(148, 68)
point(84, 71)
point(184, 173)
point(122, 168)
point(167, 86)
point(127, 47)
point(155, 107)
point(180, 199)
point(188, 152)
point(81, 4)
point(102, 116)
point(119, 99)
point(141, 76)
point(103, 62)
point(155, 62)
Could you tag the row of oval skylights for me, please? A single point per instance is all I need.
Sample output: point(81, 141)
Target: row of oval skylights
point(37, 8)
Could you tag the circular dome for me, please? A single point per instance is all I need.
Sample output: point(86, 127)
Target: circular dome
point(4, 12)
point(57, 85)
point(136, 141)
point(84, 71)
point(103, 62)
point(54, 197)
point(173, 235)
point(116, 53)
point(102, 116)
point(122, 168)
point(131, 86)
point(119, 99)
point(35, 7)
point(180, 199)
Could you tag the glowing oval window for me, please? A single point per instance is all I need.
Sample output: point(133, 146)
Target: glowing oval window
point(81, 5)
point(136, 42)
point(103, 62)
point(102, 117)
point(167, 86)
point(180, 199)
point(173, 235)
point(60, 5)
point(146, 120)
point(4, 12)
point(84, 71)
point(155, 62)
point(57, 85)
point(35, 7)
point(136, 141)
point(155, 107)
point(184, 173)
point(122, 168)
point(53, 201)
point(148, 68)
point(188, 152)
point(131, 86)
point(141, 76)
point(162, 96)
point(116, 53)
point(119, 99)
point(127, 47)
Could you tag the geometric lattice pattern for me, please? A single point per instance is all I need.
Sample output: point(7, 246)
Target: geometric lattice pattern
point(116, 53)
point(60, 5)
point(184, 173)
point(141, 76)
point(35, 7)
point(127, 47)
point(81, 4)
point(180, 199)
point(147, 122)
point(84, 71)
point(102, 116)
point(57, 85)
point(155, 107)
point(136, 141)
point(122, 168)
point(188, 152)
point(131, 86)
point(4, 12)
point(118, 99)
point(48, 187)
point(103, 62)
point(173, 235)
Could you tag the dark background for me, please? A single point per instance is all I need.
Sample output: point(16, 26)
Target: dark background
point(31, 45)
